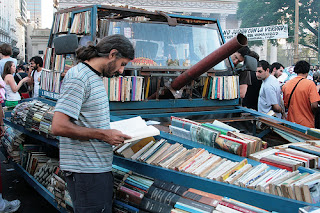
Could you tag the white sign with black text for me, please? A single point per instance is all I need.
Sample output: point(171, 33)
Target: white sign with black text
point(259, 33)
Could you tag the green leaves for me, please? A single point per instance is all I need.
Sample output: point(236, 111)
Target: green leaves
point(256, 13)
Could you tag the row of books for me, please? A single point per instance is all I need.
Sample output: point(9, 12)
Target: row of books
point(200, 162)
point(50, 81)
point(291, 156)
point(138, 193)
point(81, 23)
point(35, 116)
point(103, 26)
point(61, 22)
point(216, 134)
point(223, 87)
point(128, 88)
point(48, 58)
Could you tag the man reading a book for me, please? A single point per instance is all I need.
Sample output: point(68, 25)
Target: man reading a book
point(82, 119)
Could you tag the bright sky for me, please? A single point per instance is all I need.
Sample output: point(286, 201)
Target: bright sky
point(46, 13)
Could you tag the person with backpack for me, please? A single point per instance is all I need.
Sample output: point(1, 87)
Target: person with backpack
point(21, 74)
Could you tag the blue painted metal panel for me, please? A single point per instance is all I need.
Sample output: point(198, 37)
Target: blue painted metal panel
point(154, 104)
point(38, 187)
point(287, 123)
point(252, 197)
point(171, 103)
point(141, 112)
point(182, 114)
point(51, 142)
point(94, 19)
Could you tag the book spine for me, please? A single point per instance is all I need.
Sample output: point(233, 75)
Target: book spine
point(235, 207)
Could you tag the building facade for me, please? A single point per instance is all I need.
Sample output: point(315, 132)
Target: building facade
point(34, 7)
point(21, 26)
point(8, 24)
point(37, 41)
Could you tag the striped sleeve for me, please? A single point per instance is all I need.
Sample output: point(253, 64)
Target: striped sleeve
point(71, 97)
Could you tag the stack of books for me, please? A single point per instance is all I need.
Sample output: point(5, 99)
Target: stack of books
point(58, 188)
point(290, 156)
point(141, 193)
point(45, 124)
point(45, 171)
point(34, 116)
point(12, 140)
point(216, 134)
point(200, 162)
point(19, 113)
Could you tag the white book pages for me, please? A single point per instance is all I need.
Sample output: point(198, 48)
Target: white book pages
point(135, 127)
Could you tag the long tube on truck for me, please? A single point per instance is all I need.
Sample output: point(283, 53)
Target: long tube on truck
point(205, 64)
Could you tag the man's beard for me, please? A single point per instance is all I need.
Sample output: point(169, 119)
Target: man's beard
point(109, 69)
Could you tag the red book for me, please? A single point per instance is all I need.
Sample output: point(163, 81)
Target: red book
point(235, 207)
point(131, 192)
point(242, 142)
point(277, 165)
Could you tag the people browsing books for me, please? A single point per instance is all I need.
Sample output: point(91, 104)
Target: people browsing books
point(301, 97)
point(82, 119)
point(11, 87)
point(270, 92)
point(35, 70)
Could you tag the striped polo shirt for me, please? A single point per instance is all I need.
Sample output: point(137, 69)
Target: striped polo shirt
point(84, 99)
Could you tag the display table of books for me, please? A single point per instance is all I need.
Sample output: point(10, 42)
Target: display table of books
point(233, 179)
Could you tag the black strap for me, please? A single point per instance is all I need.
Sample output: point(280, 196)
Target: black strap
point(293, 91)
point(24, 84)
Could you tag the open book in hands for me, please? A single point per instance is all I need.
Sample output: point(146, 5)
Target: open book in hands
point(135, 127)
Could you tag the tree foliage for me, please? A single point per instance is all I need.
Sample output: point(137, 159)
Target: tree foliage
point(257, 13)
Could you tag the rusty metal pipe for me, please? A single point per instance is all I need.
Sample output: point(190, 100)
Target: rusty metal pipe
point(207, 63)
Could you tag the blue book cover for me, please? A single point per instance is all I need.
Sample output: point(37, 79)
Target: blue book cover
point(133, 183)
point(187, 208)
point(125, 206)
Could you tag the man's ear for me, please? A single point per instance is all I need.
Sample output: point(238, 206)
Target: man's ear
point(113, 54)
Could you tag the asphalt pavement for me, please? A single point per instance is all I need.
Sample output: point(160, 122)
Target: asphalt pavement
point(15, 187)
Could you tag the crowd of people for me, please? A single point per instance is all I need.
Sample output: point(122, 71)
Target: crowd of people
point(288, 93)
point(16, 82)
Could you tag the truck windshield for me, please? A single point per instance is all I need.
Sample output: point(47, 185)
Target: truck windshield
point(159, 46)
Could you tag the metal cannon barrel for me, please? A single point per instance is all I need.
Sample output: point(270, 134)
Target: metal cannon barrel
point(205, 64)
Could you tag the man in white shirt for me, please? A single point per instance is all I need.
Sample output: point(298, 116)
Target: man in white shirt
point(270, 92)
point(6, 52)
point(35, 70)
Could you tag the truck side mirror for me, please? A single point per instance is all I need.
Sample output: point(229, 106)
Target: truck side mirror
point(65, 44)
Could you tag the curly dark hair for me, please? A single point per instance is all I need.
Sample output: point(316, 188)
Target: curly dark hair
point(103, 48)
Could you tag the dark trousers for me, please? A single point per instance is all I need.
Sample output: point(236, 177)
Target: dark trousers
point(90, 192)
